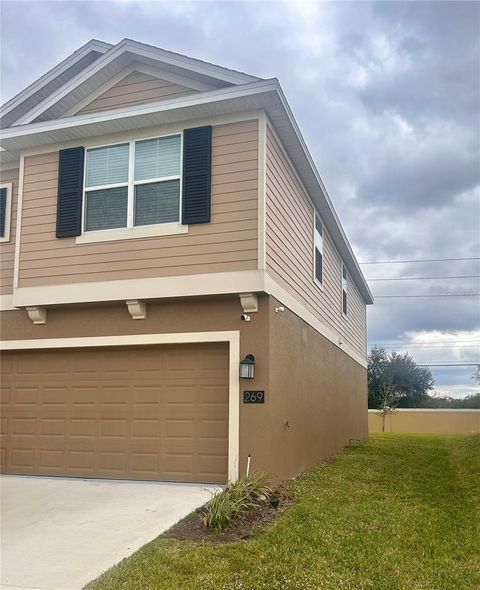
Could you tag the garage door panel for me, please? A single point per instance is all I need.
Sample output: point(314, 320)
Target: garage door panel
point(50, 461)
point(22, 459)
point(52, 427)
point(144, 412)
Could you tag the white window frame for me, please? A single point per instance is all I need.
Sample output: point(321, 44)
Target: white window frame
point(318, 245)
point(131, 230)
point(8, 212)
point(344, 289)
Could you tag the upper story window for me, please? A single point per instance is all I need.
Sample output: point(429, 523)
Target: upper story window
point(344, 290)
point(318, 249)
point(5, 208)
point(133, 184)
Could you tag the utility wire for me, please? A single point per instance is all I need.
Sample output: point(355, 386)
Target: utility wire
point(419, 260)
point(427, 296)
point(435, 346)
point(386, 342)
point(425, 278)
point(448, 364)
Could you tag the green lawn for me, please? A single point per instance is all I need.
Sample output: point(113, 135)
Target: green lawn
point(398, 512)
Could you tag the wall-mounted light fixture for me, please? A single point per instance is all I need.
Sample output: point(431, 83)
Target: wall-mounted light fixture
point(247, 367)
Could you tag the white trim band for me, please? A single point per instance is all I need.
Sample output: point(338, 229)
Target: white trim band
point(224, 283)
point(151, 288)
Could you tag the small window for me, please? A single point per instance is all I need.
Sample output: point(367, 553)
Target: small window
point(133, 184)
point(157, 160)
point(318, 243)
point(107, 165)
point(5, 207)
point(344, 290)
point(106, 207)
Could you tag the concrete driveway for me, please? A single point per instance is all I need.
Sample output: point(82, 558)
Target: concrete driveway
point(60, 533)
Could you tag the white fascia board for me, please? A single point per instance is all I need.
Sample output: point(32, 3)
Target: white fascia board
point(93, 45)
point(81, 77)
point(325, 205)
point(25, 136)
point(140, 50)
point(189, 63)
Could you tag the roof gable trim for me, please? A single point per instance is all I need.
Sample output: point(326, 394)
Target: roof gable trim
point(93, 45)
point(127, 45)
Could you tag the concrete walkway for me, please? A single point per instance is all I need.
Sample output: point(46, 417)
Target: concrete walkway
point(60, 533)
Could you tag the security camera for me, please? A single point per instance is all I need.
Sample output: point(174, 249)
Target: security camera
point(245, 317)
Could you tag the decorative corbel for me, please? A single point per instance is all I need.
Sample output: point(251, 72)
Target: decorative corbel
point(38, 315)
point(249, 302)
point(137, 309)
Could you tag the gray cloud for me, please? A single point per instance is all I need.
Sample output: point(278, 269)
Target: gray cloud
point(386, 95)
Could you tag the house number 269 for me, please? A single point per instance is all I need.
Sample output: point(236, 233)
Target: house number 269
point(253, 397)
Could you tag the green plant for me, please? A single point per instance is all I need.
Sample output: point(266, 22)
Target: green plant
point(246, 493)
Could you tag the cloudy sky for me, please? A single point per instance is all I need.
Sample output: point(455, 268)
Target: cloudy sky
point(387, 97)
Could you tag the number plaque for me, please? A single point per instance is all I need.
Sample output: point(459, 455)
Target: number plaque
point(253, 397)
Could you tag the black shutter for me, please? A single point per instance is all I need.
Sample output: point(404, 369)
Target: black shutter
point(3, 210)
point(197, 172)
point(70, 187)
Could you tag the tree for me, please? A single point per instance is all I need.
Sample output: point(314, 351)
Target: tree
point(476, 375)
point(468, 402)
point(409, 384)
point(388, 404)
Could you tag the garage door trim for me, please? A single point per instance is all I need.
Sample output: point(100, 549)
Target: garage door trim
point(232, 337)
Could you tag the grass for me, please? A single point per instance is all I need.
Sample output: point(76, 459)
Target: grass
point(398, 512)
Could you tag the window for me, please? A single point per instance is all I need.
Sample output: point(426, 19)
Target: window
point(157, 160)
point(133, 184)
point(5, 207)
point(344, 290)
point(318, 253)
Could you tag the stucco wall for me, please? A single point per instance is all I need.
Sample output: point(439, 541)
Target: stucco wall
point(307, 380)
point(179, 315)
point(319, 390)
point(441, 421)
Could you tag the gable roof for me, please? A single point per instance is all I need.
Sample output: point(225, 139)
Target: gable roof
point(18, 106)
point(115, 58)
point(47, 122)
point(266, 95)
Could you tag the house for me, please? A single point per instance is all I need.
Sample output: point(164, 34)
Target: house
point(162, 222)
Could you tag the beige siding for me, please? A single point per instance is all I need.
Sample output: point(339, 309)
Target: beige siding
point(289, 252)
point(136, 88)
point(7, 249)
point(228, 243)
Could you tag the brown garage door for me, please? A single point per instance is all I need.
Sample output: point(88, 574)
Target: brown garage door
point(157, 413)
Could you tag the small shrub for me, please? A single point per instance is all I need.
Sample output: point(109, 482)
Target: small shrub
point(246, 493)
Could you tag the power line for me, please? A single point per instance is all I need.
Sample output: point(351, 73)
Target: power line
point(386, 342)
point(427, 296)
point(419, 260)
point(425, 278)
point(448, 364)
point(435, 346)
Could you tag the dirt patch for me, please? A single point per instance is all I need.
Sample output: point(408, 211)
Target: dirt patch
point(241, 527)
